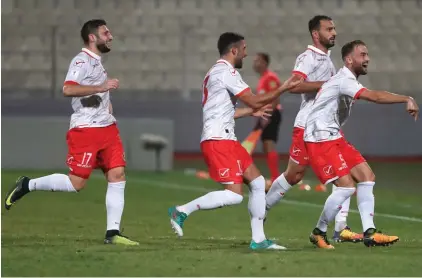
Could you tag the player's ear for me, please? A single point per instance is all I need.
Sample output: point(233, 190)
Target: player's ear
point(315, 34)
point(92, 38)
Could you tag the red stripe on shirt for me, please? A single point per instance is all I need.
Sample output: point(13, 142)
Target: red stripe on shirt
point(241, 92)
point(300, 73)
point(359, 92)
point(69, 82)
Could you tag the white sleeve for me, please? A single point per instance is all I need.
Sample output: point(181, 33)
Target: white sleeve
point(77, 72)
point(234, 82)
point(304, 65)
point(351, 87)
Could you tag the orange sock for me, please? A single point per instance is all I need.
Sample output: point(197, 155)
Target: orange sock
point(272, 161)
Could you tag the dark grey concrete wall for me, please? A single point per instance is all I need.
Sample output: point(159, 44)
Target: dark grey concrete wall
point(40, 142)
point(380, 130)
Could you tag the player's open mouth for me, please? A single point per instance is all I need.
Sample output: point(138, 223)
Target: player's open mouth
point(365, 66)
point(108, 44)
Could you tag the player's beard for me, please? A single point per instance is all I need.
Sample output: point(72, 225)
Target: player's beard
point(238, 63)
point(363, 70)
point(328, 43)
point(359, 69)
point(102, 47)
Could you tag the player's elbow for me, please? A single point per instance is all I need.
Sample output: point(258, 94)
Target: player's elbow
point(67, 91)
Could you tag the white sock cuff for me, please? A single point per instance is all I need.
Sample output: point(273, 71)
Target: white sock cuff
point(346, 191)
point(233, 197)
point(120, 184)
point(366, 183)
point(282, 182)
point(69, 183)
point(258, 183)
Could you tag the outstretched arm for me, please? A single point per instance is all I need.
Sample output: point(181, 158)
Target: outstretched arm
point(263, 113)
point(384, 97)
point(305, 86)
point(258, 101)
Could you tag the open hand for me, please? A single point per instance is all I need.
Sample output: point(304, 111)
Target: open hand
point(264, 112)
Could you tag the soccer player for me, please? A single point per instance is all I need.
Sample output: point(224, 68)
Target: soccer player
point(315, 67)
point(268, 82)
point(335, 160)
point(93, 138)
point(228, 162)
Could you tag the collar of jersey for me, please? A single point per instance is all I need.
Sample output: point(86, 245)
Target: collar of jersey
point(348, 72)
point(90, 53)
point(319, 51)
point(222, 61)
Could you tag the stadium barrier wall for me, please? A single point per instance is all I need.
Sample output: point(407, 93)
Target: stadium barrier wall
point(40, 142)
point(376, 130)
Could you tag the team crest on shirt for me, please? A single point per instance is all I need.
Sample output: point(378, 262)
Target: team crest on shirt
point(74, 74)
point(273, 84)
point(233, 72)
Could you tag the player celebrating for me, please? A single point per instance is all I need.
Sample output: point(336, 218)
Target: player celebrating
point(228, 162)
point(332, 158)
point(93, 139)
point(315, 67)
point(268, 82)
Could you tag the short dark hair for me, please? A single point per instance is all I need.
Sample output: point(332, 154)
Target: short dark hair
point(91, 27)
point(349, 47)
point(265, 57)
point(226, 41)
point(315, 22)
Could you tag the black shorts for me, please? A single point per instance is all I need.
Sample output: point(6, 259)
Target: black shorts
point(271, 130)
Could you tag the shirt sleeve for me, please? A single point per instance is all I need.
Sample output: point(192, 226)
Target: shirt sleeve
point(77, 72)
point(304, 65)
point(351, 88)
point(234, 82)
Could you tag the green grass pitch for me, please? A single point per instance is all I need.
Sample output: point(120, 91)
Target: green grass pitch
point(61, 234)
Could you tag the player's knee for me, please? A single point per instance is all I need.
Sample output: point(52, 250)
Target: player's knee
point(367, 175)
point(77, 182)
point(293, 177)
point(233, 198)
point(370, 176)
point(258, 184)
point(235, 188)
point(345, 181)
point(116, 175)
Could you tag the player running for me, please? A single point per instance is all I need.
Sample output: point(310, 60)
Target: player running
point(268, 82)
point(335, 160)
point(315, 67)
point(228, 162)
point(93, 138)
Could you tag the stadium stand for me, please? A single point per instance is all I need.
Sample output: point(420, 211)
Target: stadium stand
point(168, 45)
